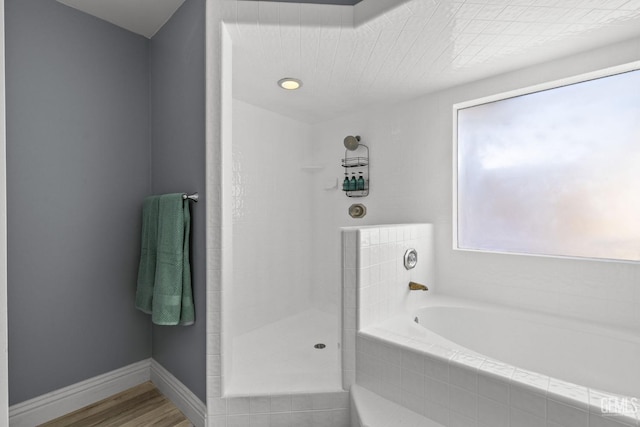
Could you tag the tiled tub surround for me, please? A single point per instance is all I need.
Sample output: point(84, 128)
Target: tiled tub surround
point(430, 374)
point(448, 383)
point(373, 264)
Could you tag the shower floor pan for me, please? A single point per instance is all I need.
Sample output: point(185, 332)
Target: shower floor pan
point(282, 358)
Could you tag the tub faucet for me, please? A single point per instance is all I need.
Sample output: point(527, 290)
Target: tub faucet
point(417, 287)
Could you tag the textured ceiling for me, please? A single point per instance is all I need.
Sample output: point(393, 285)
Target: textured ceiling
point(144, 17)
point(389, 50)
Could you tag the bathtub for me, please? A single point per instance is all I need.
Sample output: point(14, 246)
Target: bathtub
point(460, 362)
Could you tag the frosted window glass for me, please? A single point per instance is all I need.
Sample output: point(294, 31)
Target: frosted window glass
point(555, 172)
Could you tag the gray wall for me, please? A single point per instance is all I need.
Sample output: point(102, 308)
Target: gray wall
point(178, 134)
point(77, 170)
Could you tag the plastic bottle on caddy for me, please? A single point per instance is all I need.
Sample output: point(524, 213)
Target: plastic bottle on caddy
point(353, 183)
point(360, 182)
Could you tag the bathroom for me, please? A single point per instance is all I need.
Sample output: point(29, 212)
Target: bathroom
point(249, 183)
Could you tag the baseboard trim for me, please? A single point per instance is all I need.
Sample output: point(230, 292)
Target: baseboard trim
point(179, 394)
point(68, 399)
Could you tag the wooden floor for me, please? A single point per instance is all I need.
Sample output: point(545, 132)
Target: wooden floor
point(139, 406)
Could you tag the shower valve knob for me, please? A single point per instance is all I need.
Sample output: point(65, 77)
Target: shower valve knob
point(357, 210)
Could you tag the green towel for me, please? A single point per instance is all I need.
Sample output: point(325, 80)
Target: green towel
point(147, 266)
point(172, 300)
point(187, 312)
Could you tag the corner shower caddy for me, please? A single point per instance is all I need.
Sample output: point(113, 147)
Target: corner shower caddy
point(357, 165)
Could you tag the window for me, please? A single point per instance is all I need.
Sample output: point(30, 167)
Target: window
point(551, 171)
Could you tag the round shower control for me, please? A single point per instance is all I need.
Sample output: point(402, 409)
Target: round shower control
point(410, 259)
point(357, 210)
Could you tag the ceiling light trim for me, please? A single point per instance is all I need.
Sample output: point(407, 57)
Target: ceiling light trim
point(290, 83)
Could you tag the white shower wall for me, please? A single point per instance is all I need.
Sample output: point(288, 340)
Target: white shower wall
point(276, 311)
point(271, 218)
point(411, 181)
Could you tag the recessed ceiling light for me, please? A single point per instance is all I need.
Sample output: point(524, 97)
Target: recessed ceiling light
point(290, 83)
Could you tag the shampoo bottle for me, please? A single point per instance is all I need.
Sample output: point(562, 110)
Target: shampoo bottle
point(353, 183)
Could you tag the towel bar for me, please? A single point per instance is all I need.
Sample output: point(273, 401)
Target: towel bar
point(193, 197)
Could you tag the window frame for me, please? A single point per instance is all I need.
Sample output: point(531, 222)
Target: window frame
point(567, 81)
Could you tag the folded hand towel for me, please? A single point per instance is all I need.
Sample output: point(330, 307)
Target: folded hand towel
point(147, 267)
point(172, 287)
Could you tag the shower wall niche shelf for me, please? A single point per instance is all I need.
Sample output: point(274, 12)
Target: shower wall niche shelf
point(356, 171)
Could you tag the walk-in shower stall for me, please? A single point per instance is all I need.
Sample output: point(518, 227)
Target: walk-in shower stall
point(282, 320)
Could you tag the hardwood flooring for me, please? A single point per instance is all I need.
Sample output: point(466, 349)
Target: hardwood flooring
point(139, 406)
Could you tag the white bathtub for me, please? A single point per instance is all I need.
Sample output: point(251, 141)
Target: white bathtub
point(524, 364)
point(579, 353)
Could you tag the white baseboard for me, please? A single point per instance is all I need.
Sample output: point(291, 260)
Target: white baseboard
point(179, 394)
point(68, 399)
